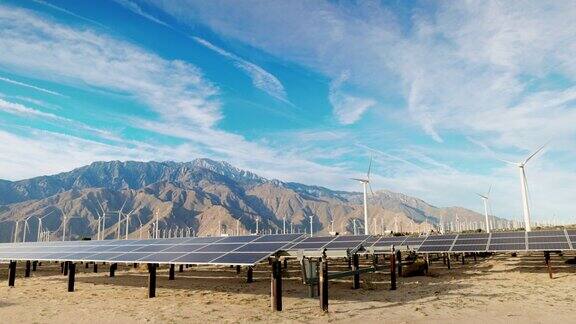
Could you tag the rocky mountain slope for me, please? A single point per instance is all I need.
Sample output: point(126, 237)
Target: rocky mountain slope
point(203, 196)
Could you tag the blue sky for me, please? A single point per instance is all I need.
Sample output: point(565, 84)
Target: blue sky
point(300, 91)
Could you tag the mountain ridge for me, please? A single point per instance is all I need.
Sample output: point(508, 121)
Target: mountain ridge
point(200, 195)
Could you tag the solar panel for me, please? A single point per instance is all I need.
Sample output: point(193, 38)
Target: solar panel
point(197, 258)
point(508, 234)
point(508, 240)
point(473, 236)
point(480, 241)
point(241, 258)
point(547, 239)
point(434, 248)
point(546, 233)
point(548, 246)
point(507, 247)
point(261, 247)
point(469, 248)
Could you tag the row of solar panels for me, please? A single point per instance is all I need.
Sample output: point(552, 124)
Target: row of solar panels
point(250, 250)
point(476, 242)
point(234, 250)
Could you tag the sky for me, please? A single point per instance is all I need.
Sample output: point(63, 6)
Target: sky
point(307, 91)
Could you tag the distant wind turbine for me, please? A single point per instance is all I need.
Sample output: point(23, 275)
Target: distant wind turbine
point(485, 199)
point(365, 186)
point(524, 185)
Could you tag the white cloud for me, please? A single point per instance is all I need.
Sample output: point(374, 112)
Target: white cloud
point(174, 89)
point(347, 108)
point(135, 8)
point(261, 78)
point(21, 110)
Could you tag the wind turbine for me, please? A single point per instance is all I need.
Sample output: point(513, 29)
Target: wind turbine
point(26, 228)
point(103, 229)
point(485, 199)
point(365, 185)
point(311, 225)
point(128, 222)
point(524, 185)
point(39, 236)
point(120, 219)
point(16, 232)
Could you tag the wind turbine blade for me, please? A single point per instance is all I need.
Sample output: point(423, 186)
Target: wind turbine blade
point(489, 189)
point(533, 154)
point(506, 161)
point(357, 179)
point(481, 196)
point(124, 204)
point(371, 191)
point(369, 168)
point(99, 204)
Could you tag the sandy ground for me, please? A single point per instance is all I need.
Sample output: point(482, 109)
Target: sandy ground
point(500, 289)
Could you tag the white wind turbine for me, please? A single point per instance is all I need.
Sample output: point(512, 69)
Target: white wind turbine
point(128, 222)
point(40, 226)
point(120, 219)
point(365, 185)
point(26, 228)
point(524, 186)
point(101, 228)
point(485, 199)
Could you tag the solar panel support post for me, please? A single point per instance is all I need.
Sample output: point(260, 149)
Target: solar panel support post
point(86, 265)
point(62, 267)
point(448, 260)
point(95, 269)
point(250, 275)
point(323, 283)
point(349, 263)
point(27, 270)
point(356, 267)
point(113, 268)
point(547, 260)
point(171, 274)
point(12, 274)
point(71, 276)
point(276, 285)
point(399, 262)
point(34, 265)
point(237, 269)
point(393, 270)
point(474, 255)
point(181, 268)
point(65, 271)
point(151, 280)
point(463, 258)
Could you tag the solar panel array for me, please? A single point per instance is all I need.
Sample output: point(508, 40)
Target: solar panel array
point(250, 250)
point(550, 240)
point(234, 250)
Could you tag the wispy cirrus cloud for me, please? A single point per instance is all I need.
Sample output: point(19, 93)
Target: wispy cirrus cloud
point(30, 86)
point(261, 78)
point(137, 9)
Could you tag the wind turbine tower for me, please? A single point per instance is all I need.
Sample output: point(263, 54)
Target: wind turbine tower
point(365, 186)
point(485, 199)
point(524, 186)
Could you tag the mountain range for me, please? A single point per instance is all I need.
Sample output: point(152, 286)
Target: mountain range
point(203, 197)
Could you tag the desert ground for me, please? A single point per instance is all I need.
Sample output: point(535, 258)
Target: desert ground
point(498, 289)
